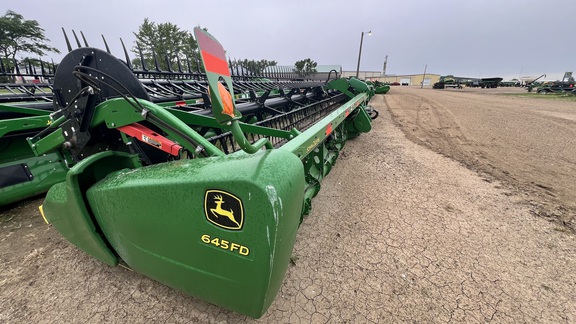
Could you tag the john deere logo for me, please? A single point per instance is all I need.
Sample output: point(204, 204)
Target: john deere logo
point(223, 209)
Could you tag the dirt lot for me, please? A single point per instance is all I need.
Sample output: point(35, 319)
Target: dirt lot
point(399, 233)
point(527, 143)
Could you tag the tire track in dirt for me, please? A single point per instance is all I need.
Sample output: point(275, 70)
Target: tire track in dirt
point(446, 132)
point(528, 144)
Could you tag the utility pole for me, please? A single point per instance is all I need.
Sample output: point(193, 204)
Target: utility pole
point(384, 67)
point(360, 50)
point(424, 77)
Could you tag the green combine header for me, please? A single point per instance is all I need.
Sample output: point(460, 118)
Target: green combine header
point(198, 180)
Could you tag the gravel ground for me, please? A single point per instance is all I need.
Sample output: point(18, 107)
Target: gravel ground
point(398, 233)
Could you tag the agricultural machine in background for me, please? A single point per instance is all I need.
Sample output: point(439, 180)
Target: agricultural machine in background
point(379, 87)
point(25, 107)
point(532, 83)
point(567, 85)
point(449, 81)
point(197, 180)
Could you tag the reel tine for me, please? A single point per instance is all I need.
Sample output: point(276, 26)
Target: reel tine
point(188, 64)
point(16, 67)
point(31, 68)
point(67, 41)
point(156, 61)
point(42, 67)
point(168, 64)
point(128, 63)
point(105, 44)
point(179, 63)
point(144, 68)
point(8, 69)
point(84, 39)
point(197, 63)
point(77, 40)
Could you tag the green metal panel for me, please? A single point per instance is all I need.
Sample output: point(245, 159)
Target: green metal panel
point(341, 85)
point(361, 123)
point(65, 206)
point(165, 222)
point(358, 85)
point(14, 149)
point(382, 89)
point(43, 171)
point(25, 110)
point(49, 143)
point(23, 124)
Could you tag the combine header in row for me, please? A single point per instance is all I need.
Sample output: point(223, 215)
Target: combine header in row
point(199, 181)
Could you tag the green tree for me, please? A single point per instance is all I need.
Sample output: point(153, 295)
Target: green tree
point(167, 41)
point(305, 67)
point(253, 66)
point(20, 35)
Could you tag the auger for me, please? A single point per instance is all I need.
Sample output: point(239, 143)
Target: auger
point(197, 180)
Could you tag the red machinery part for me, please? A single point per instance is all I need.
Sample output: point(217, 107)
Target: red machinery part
point(151, 138)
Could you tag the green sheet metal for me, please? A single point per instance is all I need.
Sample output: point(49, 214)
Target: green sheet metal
point(382, 89)
point(173, 222)
point(65, 207)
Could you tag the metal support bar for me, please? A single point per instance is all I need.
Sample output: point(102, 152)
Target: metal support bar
point(244, 143)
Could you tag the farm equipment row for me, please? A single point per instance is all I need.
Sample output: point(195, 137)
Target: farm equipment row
point(449, 81)
point(567, 85)
point(197, 180)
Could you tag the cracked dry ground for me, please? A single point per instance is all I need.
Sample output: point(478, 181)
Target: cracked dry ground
point(397, 234)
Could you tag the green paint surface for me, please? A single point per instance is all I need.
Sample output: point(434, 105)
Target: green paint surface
point(155, 219)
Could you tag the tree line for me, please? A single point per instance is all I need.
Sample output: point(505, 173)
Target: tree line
point(157, 45)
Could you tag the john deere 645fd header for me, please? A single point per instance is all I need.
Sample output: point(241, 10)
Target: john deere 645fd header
point(197, 181)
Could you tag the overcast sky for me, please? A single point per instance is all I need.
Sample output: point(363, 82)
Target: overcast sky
point(474, 38)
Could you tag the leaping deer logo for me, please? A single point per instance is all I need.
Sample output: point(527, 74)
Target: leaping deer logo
point(219, 211)
point(223, 209)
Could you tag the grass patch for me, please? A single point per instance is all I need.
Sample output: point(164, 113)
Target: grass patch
point(553, 96)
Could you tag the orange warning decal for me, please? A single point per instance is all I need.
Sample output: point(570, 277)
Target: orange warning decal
point(226, 97)
point(328, 129)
